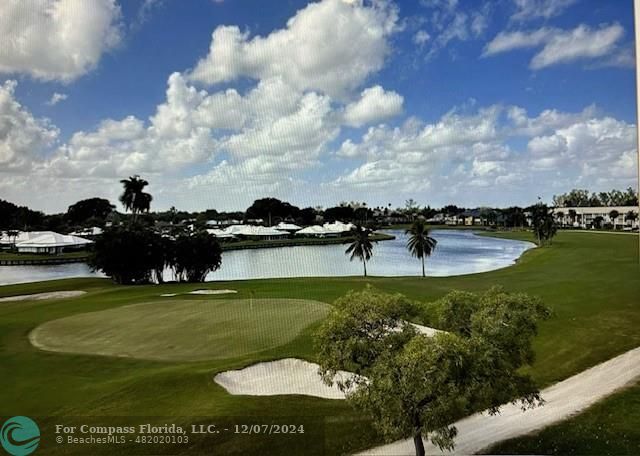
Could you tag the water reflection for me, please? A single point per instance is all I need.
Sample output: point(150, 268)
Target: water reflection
point(458, 252)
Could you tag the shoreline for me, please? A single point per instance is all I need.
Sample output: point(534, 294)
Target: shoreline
point(246, 245)
point(226, 247)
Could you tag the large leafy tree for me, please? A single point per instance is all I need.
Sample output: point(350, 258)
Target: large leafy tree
point(271, 210)
point(134, 198)
point(543, 223)
point(129, 255)
point(420, 244)
point(361, 246)
point(514, 216)
point(19, 217)
point(195, 256)
point(343, 213)
point(92, 208)
point(415, 386)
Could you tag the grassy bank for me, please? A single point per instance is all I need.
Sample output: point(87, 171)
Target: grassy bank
point(14, 256)
point(609, 427)
point(589, 280)
point(248, 244)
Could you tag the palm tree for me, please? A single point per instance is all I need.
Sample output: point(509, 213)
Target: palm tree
point(133, 198)
point(420, 244)
point(613, 216)
point(361, 247)
point(13, 234)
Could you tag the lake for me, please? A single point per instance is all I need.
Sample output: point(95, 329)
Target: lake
point(458, 252)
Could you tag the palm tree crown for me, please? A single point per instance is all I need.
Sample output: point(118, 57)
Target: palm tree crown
point(420, 244)
point(361, 247)
point(133, 198)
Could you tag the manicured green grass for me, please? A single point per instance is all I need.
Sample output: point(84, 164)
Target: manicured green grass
point(591, 281)
point(609, 427)
point(251, 244)
point(182, 330)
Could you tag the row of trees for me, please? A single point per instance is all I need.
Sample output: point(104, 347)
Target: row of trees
point(583, 198)
point(419, 244)
point(136, 253)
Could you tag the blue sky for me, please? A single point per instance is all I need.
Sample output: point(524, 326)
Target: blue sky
point(219, 102)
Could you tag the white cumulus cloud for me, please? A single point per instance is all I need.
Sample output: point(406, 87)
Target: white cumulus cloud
point(375, 104)
point(22, 136)
point(331, 46)
point(56, 39)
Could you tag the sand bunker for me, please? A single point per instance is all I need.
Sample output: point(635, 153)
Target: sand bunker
point(211, 292)
point(285, 376)
point(42, 296)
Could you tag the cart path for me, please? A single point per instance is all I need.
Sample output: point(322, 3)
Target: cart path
point(564, 399)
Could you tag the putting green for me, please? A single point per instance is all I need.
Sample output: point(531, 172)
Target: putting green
point(181, 330)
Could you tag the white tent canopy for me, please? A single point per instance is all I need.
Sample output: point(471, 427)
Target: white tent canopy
point(338, 227)
point(93, 231)
point(287, 226)
point(51, 242)
point(255, 231)
point(221, 234)
point(22, 236)
point(328, 229)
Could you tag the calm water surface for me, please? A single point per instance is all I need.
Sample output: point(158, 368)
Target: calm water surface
point(458, 252)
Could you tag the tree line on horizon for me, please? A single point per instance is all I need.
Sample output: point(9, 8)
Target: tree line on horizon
point(98, 211)
point(584, 198)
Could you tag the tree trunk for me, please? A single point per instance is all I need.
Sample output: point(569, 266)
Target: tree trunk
point(364, 263)
point(423, 274)
point(419, 444)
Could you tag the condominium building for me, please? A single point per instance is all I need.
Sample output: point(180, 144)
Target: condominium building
point(617, 217)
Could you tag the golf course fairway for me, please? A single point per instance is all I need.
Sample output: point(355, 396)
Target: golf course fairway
point(181, 330)
point(589, 280)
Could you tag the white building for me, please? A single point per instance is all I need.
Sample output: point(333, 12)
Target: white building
point(334, 229)
point(10, 238)
point(288, 227)
point(50, 242)
point(93, 231)
point(587, 217)
point(255, 232)
point(220, 234)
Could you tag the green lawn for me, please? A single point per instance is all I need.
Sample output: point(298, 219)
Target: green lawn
point(609, 427)
point(255, 244)
point(589, 280)
point(182, 330)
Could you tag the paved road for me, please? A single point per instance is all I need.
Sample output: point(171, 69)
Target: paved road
point(563, 399)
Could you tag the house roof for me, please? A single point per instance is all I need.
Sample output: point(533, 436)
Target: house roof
point(21, 237)
point(338, 227)
point(93, 231)
point(327, 228)
point(222, 234)
point(287, 226)
point(254, 230)
point(53, 239)
point(313, 229)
